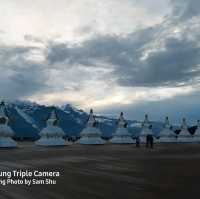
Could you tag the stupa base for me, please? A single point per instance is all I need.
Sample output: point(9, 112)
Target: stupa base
point(185, 139)
point(122, 140)
point(91, 140)
point(7, 142)
point(167, 140)
point(196, 139)
point(51, 142)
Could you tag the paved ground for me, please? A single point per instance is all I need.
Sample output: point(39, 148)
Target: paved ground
point(109, 171)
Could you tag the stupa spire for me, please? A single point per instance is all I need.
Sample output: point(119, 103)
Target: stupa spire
point(53, 118)
point(121, 121)
point(91, 120)
point(184, 135)
point(184, 124)
point(146, 123)
point(167, 123)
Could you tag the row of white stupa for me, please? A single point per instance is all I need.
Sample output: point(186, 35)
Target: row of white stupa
point(52, 134)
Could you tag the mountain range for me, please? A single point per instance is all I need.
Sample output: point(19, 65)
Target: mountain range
point(28, 118)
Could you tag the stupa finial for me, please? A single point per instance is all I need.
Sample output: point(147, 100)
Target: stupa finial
point(167, 124)
point(121, 121)
point(146, 120)
point(146, 124)
point(184, 123)
point(91, 120)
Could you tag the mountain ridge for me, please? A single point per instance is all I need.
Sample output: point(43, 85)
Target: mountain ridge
point(28, 118)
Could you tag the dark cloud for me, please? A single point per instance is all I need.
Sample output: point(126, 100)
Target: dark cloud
point(29, 80)
point(19, 76)
point(185, 9)
point(13, 51)
point(103, 48)
point(176, 108)
point(176, 64)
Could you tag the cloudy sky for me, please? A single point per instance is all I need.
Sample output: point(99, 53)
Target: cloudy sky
point(111, 55)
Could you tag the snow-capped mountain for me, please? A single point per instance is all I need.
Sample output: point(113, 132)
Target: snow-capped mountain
point(27, 119)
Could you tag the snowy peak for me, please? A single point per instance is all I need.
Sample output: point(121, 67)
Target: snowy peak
point(70, 109)
point(26, 117)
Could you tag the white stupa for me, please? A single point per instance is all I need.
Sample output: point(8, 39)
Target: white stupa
point(185, 135)
point(146, 130)
point(196, 135)
point(122, 136)
point(167, 135)
point(91, 134)
point(6, 133)
point(52, 134)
